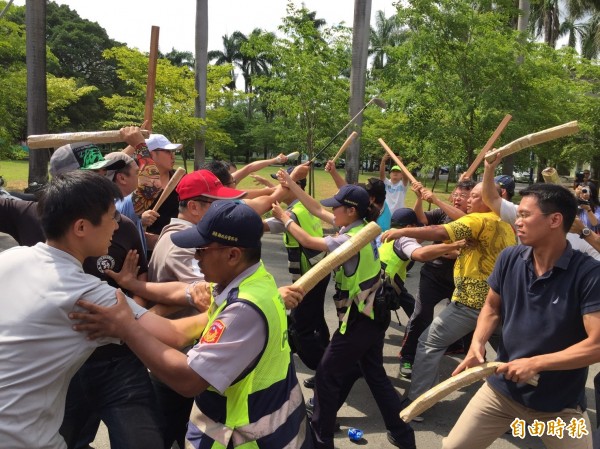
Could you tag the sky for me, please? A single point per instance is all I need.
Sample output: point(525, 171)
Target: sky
point(130, 21)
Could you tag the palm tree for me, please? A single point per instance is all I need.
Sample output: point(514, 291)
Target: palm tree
point(231, 54)
point(255, 64)
point(180, 58)
point(37, 94)
point(386, 34)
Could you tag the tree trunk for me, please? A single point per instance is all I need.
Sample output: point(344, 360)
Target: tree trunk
point(360, 48)
point(37, 94)
point(200, 80)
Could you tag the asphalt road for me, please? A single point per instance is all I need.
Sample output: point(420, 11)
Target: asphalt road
point(360, 410)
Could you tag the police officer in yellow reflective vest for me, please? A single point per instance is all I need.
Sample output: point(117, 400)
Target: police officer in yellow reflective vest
point(309, 334)
point(252, 397)
point(358, 343)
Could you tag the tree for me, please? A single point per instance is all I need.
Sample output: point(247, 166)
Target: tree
point(306, 88)
point(174, 110)
point(37, 96)
point(386, 34)
point(231, 54)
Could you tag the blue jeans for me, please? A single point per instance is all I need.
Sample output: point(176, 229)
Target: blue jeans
point(117, 391)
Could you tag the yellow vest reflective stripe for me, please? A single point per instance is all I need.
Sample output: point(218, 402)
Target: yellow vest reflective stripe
point(271, 384)
point(301, 259)
point(361, 285)
point(392, 264)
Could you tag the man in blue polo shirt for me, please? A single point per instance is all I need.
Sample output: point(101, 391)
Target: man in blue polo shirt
point(545, 294)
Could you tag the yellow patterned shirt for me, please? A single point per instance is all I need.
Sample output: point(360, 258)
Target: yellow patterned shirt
point(487, 236)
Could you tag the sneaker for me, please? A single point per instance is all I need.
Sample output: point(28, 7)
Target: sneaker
point(405, 402)
point(406, 369)
point(394, 442)
point(309, 382)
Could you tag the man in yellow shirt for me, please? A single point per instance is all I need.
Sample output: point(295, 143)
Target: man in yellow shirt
point(487, 236)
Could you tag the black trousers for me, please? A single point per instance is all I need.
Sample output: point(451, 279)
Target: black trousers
point(309, 334)
point(361, 346)
point(431, 291)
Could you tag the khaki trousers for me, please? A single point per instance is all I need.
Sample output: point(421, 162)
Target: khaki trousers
point(490, 414)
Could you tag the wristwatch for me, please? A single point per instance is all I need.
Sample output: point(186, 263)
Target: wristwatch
point(585, 232)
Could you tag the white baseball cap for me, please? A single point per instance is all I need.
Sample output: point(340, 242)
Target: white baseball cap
point(160, 142)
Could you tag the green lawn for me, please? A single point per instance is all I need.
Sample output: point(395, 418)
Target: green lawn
point(15, 177)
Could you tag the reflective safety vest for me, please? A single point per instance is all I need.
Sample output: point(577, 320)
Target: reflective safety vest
point(394, 267)
point(264, 408)
point(301, 259)
point(361, 285)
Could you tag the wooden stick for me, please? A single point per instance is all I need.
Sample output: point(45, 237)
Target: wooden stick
point(340, 255)
point(58, 140)
point(151, 82)
point(487, 147)
point(550, 175)
point(397, 160)
point(443, 389)
point(345, 145)
point(179, 173)
point(533, 139)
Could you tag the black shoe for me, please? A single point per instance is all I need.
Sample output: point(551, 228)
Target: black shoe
point(310, 408)
point(309, 382)
point(394, 442)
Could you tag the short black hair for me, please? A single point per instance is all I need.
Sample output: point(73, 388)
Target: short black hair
point(251, 255)
point(552, 198)
point(467, 184)
point(72, 196)
point(221, 170)
point(376, 188)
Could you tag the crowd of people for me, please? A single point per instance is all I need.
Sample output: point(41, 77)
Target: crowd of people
point(163, 322)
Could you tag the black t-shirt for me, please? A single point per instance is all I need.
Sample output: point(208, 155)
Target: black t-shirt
point(168, 210)
point(19, 219)
point(441, 269)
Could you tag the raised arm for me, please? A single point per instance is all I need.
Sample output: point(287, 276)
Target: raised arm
point(417, 187)
point(489, 192)
point(313, 206)
point(384, 159)
point(257, 165)
point(452, 212)
point(337, 178)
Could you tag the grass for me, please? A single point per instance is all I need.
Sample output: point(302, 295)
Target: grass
point(15, 175)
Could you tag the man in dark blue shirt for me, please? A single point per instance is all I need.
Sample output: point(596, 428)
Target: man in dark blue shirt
point(545, 295)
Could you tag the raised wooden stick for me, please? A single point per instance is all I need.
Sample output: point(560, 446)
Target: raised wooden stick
point(397, 160)
point(550, 175)
point(487, 147)
point(58, 140)
point(533, 139)
point(179, 173)
point(337, 257)
point(151, 82)
point(345, 145)
point(443, 389)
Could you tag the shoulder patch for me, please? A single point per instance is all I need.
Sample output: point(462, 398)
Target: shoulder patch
point(214, 333)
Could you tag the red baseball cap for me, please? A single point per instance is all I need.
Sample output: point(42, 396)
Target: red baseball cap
point(205, 183)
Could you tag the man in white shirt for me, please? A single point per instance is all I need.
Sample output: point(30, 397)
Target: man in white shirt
point(41, 351)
